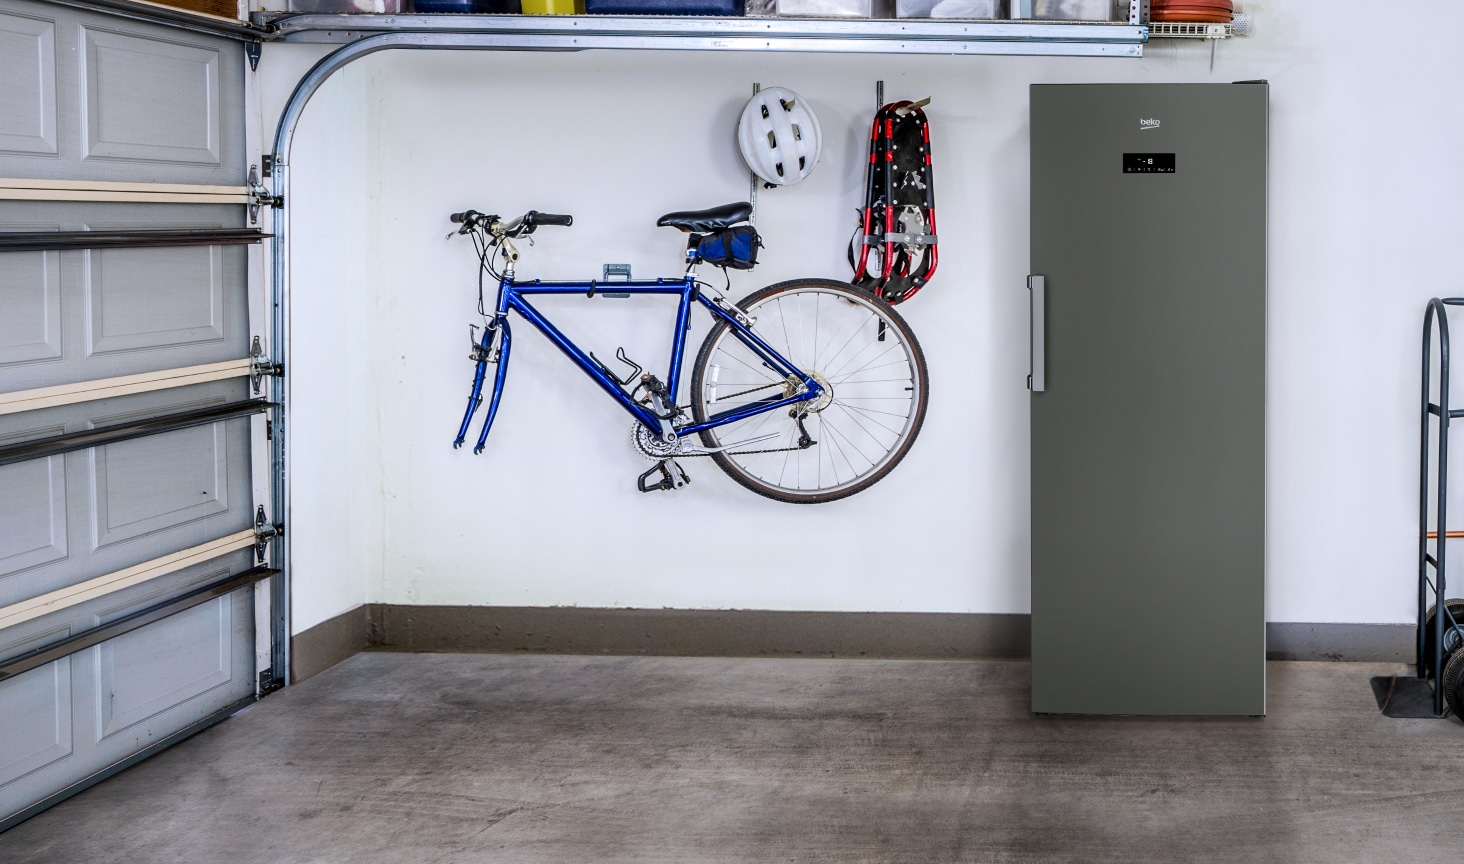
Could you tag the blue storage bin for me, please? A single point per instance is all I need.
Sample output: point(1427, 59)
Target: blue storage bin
point(665, 7)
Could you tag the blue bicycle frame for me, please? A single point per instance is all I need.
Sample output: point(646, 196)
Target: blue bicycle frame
point(512, 294)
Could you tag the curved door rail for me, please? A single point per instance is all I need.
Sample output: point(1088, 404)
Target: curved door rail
point(70, 441)
point(50, 241)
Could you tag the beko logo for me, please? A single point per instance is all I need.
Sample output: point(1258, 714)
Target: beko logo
point(1147, 124)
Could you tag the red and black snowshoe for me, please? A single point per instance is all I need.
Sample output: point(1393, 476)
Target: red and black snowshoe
point(898, 222)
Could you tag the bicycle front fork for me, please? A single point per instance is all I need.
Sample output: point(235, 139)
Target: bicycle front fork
point(485, 356)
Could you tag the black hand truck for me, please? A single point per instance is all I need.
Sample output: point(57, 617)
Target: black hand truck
point(1439, 633)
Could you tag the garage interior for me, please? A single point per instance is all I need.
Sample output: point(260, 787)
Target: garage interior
point(256, 606)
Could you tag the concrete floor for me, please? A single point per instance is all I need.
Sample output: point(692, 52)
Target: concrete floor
point(417, 758)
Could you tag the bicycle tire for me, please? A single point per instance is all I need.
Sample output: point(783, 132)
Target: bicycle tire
point(866, 311)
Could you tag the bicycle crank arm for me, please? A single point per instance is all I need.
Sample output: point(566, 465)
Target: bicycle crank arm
point(697, 451)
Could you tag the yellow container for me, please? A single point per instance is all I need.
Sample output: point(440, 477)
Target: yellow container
point(554, 7)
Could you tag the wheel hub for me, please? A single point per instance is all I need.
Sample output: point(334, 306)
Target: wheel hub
point(792, 386)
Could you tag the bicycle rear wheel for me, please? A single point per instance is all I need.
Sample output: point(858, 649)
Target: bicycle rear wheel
point(858, 348)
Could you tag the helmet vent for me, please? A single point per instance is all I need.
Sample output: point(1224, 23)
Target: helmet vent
point(772, 140)
point(797, 133)
point(765, 112)
point(779, 166)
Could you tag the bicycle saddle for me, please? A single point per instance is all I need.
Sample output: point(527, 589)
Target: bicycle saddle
point(706, 221)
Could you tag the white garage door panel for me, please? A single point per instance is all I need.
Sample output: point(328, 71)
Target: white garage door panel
point(123, 504)
point(66, 720)
point(133, 497)
point(99, 313)
point(28, 99)
point(35, 711)
point(143, 673)
point(177, 120)
point(92, 97)
point(30, 328)
point(33, 511)
point(88, 98)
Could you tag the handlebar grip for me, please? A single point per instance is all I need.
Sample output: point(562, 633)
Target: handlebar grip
point(537, 218)
point(459, 218)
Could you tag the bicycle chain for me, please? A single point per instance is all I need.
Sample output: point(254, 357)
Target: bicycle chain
point(744, 452)
point(745, 392)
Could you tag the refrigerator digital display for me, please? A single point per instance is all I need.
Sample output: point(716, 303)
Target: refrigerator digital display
point(1148, 163)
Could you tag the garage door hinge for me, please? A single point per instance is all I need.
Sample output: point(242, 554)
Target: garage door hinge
point(259, 194)
point(252, 50)
point(260, 366)
point(264, 532)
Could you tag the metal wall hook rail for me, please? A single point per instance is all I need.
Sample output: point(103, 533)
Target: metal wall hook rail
point(1435, 317)
point(57, 444)
point(38, 657)
point(51, 241)
point(724, 33)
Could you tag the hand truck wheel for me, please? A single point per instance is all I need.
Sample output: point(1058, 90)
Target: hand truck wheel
point(1452, 638)
point(1452, 680)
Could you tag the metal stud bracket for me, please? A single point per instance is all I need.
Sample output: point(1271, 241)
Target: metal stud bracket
point(263, 533)
point(260, 366)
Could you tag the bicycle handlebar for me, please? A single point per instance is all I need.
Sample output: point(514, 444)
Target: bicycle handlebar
point(525, 224)
point(534, 217)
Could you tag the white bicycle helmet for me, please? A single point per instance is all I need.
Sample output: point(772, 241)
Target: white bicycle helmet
point(779, 136)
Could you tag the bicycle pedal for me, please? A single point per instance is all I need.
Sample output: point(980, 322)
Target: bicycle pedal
point(672, 477)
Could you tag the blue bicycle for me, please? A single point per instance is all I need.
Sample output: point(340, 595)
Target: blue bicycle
point(818, 401)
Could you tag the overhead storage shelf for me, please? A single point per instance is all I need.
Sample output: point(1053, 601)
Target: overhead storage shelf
point(816, 35)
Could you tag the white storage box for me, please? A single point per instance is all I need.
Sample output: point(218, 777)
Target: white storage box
point(833, 8)
point(950, 9)
point(1080, 10)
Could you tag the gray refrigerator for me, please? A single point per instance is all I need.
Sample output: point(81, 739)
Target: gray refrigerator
point(1148, 301)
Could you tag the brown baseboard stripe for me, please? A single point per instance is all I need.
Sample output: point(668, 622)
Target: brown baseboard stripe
point(315, 650)
point(699, 633)
point(753, 633)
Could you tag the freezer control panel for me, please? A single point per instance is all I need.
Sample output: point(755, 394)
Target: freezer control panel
point(1148, 163)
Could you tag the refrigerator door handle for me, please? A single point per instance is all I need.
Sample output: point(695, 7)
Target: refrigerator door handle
point(1037, 362)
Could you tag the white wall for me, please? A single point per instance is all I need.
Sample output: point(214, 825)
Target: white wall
point(549, 516)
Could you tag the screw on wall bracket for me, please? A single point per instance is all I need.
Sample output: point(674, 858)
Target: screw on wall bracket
point(263, 533)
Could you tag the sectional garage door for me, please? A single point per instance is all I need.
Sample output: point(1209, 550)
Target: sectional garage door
point(127, 135)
